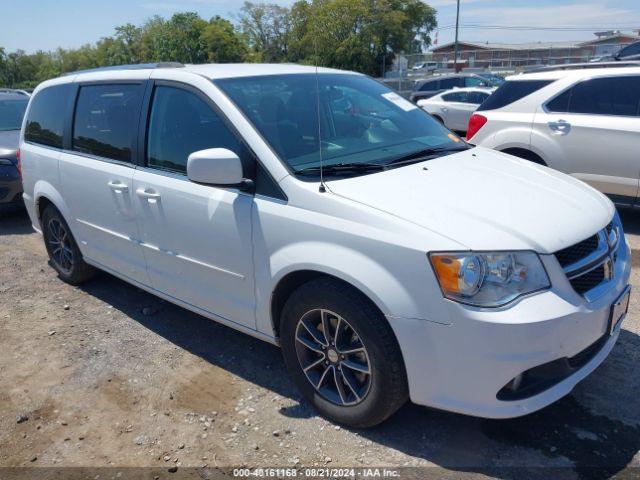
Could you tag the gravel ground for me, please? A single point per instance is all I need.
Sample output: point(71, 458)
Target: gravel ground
point(108, 375)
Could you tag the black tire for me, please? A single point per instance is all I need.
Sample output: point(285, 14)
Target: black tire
point(525, 155)
point(438, 118)
point(70, 267)
point(387, 387)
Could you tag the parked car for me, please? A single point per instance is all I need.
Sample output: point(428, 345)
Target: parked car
point(13, 104)
point(454, 107)
point(628, 52)
point(432, 86)
point(582, 120)
point(385, 256)
point(425, 66)
point(494, 80)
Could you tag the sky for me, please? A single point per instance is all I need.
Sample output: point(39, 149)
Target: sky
point(47, 24)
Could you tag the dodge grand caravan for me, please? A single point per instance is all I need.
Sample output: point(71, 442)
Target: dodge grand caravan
point(324, 213)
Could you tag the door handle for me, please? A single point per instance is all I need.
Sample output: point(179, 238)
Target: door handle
point(118, 187)
point(141, 192)
point(561, 127)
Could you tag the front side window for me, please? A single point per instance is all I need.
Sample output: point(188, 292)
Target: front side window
point(181, 123)
point(477, 98)
point(106, 120)
point(353, 119)
point(45, 120)
point(455, 97)
point(617, 96)
point(11, 113)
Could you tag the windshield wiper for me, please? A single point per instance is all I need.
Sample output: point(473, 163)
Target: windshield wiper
point(343, 167)
point(413, 157)
point(424, 154)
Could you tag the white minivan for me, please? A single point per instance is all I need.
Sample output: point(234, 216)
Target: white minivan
point(322, 212)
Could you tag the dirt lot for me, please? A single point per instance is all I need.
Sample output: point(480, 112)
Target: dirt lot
point(107, 375)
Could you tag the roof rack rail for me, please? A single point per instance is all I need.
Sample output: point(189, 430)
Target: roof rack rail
point(133, 66)
point(581, 66)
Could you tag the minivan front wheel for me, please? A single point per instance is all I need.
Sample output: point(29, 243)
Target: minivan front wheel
point(342, 354)
point(63, 251)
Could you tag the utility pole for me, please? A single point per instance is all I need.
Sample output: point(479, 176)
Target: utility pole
point(455, 53)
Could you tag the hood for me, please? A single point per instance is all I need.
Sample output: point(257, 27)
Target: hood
point(486, 200)
point(9, 141)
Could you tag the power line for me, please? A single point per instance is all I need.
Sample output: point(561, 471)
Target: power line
point(535, 28)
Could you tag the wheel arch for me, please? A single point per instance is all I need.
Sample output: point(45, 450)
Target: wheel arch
point(295, 279)
point(525, 153)
point(45, 194)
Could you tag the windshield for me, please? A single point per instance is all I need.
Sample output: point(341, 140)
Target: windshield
point(361, 121)
point(11, 113)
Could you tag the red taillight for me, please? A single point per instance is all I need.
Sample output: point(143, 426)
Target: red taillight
point(19, 165)
point(476, 122)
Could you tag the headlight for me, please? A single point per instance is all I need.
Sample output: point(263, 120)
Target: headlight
point(488, 279)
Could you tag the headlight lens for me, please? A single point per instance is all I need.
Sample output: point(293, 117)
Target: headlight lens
point(488, 279)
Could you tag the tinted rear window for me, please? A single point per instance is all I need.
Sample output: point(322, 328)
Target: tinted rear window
point(450, 83)
point(430, 85)
point(46, 116)
point(106, 120)
point(633, 49)
point(11, 113)
point(512, 91)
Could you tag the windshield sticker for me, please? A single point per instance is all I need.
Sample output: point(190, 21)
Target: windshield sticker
point(396, 99)
point(453, 137)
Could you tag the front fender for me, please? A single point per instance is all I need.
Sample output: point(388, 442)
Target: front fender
point(388, 292)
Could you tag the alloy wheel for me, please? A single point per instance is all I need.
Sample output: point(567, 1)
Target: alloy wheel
point(60, 245)
point(333, 357)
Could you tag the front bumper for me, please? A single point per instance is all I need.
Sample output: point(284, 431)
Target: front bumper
point(461, 367)
point(10, 186)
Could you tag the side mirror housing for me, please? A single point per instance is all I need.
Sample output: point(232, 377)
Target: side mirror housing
point(215, 166)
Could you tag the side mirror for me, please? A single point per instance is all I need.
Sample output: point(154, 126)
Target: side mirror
point(215, 166)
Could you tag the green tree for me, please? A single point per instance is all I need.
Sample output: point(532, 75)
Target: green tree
point(223, 43)
point(267, 27)
point(362, 35)
point(185, 43)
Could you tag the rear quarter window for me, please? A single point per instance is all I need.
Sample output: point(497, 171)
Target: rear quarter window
point(512, 91)
point(616, 96)
point(106, 120)
point(46, 116)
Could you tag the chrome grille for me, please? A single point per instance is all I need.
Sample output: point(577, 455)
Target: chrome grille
point(590, 263)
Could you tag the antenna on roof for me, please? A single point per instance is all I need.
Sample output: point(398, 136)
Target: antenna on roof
point(322, 186)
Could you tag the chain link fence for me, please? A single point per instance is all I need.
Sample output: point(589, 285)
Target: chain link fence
point(505, 60)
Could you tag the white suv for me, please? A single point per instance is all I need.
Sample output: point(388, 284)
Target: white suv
point(583, 120)
point(325, 213)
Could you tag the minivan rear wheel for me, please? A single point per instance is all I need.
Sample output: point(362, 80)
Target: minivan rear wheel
point(64, 254)
point(342, 354)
